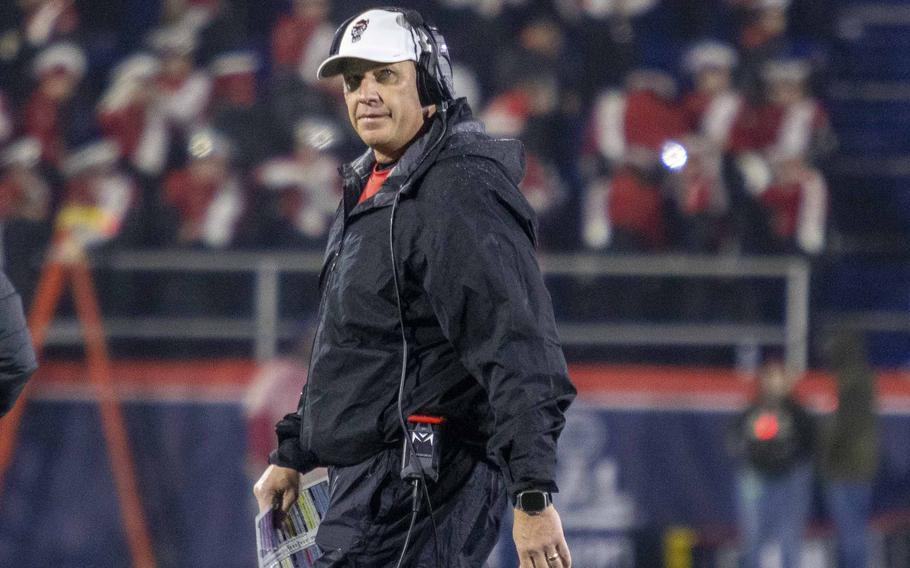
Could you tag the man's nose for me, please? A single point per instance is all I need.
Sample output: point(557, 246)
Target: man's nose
point(367, 92)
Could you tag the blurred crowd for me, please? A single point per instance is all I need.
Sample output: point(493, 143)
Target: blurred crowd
point(209, 132)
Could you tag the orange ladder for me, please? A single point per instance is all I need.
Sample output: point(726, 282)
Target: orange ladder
point(66, 263)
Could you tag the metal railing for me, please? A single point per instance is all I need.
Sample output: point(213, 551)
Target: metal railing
point(266, 328)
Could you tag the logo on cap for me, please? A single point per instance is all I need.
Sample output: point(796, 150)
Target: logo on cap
point(357, 30)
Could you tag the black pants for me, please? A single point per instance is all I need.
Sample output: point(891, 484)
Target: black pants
point(370, 509)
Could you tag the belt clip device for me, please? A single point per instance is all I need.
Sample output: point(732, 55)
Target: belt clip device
point(424, 434)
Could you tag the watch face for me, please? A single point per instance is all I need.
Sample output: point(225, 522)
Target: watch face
point(533, 501)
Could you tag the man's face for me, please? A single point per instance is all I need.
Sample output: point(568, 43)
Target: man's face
point(59, 86)
point(776, 381)
point(785, 92)
point(713, 80)
point(774, 20)
point(175, 65)
point(383, 104)
point(208, 170)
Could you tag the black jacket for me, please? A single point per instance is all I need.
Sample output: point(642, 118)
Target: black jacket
point(483, 348)
point(774, 437)
point(17, 359)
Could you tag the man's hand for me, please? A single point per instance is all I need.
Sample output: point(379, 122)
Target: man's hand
point(277, 487)
point(539, 540)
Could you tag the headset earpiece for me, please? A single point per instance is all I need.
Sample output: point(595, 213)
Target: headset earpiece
point(339, 35)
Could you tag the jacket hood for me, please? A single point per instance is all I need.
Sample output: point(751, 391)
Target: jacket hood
point(454, 134)
point(506, 155)
point(469, 138)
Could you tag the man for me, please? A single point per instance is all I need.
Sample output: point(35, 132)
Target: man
point(481, 351)
point(774, 437)
point(796, 206)
point(128, 114)
point(713, 105)
point(99, 199)
point(850, 448)
point(206, 198)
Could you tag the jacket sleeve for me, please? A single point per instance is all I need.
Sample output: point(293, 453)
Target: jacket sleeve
point(289, 452)
point(17, 358)
point(478, 267)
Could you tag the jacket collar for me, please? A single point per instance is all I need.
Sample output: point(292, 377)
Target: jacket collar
point(449, 119)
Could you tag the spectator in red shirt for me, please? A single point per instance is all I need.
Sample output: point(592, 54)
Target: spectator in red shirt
point(625, 205)
point(643, 115)
point(299, 42)
point(182, 92)
point(302, 191)
point(236, 110)
point(625, 212)
point(23, 192)
point(206, 198)
point(98, 197)
point(713, 105)
point(700, 195)
point(790, 127)
point(301, 39)
point(35, 25)
point(796, 203)
point(129, 115)
point(790, 122)
point(59, 70)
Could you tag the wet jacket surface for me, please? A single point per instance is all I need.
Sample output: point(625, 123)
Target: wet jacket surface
point(17, 359)
point(483, 347)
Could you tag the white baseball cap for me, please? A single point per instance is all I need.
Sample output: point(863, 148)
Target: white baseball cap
point(382, 36)
point(786, 71)
point(66, 57)
point(710, 55)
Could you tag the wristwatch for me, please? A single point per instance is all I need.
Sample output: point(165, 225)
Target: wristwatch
point(533, 501)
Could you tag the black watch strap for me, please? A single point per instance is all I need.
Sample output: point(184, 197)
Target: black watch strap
point(533, 501)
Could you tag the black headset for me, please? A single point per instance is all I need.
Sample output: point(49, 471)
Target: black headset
point(434, 66)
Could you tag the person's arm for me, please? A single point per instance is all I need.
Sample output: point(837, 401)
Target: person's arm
point(734, 441)
point(806, 429)
point(17, 357)
point(278, 485)
point(289, 452)
point(478, 266)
